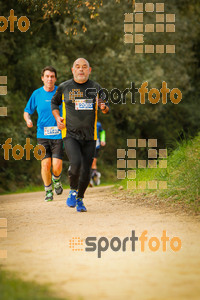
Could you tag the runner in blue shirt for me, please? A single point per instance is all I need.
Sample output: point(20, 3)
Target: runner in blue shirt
point(48, 133)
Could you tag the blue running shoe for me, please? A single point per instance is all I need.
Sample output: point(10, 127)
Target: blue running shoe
point(71, 200)
point(80, 206)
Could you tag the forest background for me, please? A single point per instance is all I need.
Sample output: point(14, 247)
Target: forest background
point(60, 32)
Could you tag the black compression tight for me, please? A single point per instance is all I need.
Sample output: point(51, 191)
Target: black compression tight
point(80, 154)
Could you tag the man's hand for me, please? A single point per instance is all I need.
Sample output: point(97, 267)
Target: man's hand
point(29, 123)
point(27, 118)
point(104, 108)
point(60, 123)
point(58, 118)
point(100, 102)
point(103, 143)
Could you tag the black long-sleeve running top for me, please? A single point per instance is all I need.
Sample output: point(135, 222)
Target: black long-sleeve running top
point(79, 112)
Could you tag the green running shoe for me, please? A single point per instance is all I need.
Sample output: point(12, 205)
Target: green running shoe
point(49, 196)
point(57, 186)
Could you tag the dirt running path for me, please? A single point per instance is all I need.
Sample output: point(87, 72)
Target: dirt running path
point(38, 248)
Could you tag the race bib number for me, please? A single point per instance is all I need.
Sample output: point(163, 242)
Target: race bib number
point(84, 104)
point(51, 130)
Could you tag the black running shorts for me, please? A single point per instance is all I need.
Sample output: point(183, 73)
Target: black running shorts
point(54, 148)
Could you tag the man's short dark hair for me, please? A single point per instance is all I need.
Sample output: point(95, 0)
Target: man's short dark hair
point(49, 68)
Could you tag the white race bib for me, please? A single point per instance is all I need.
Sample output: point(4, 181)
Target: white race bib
point(53, 130)
point(84, 104)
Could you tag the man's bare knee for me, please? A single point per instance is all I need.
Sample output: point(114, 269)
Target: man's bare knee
point(57, 166)
point(46, 164)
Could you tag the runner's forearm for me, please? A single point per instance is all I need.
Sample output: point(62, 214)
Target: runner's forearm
point(56, 113)
point(27, 117)
point(28, 120)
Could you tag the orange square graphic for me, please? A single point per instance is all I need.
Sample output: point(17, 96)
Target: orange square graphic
point(75, 244)
point(139, 18)
point(3, 232)
point(131, 174)
point(149, 7)
point(152, 164)
point(170, 48)
point(149, 28)
point(131, 185)
point(160, 7)
point(128, 17)
point(152, 143)
point(131, 164)
point(138, 48)
point(141, 164)
point(3, 111)
point(170, 18)
point(141, 143)
point(152, 153)
point(128, 38)
point(139, 38)
point(131, 153)
point(163, 153)
point(142, 185)
point(170, 28)
point(121, 174)
point(3, 79)
point(131, 143)
point(121, 164)
point(128, 27)
point(3, 90)
point(160, 28)
point(152, 185)
point(162, 185)
point(163, 164)
point(138, 7)
point(149, 48)
point(160, 18)
point(121, 153)
point(138, 27)
point(160, 49)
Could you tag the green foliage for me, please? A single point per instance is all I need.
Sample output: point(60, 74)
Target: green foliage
point(181, 174)
point(95, 30)
point(12, 288)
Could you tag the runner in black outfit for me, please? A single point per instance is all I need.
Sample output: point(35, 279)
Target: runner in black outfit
point(79, 127)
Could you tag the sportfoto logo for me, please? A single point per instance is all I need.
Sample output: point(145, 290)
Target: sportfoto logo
point(23, 22)
point(18, 150)
point(154, 95)
point(116, 244)
point(3, 234)
point(3, 92)
point(163, 23)
point(128, 163)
